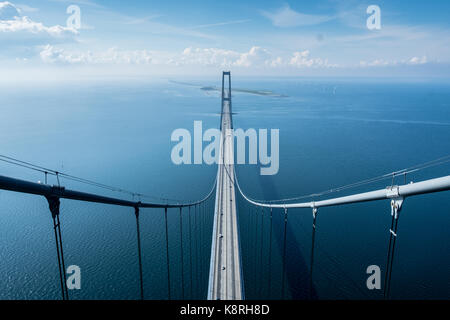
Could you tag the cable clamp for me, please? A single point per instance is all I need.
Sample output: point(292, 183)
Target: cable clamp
point(136, 209)
point(392, 192)
point(53, 204)
point(396, 206)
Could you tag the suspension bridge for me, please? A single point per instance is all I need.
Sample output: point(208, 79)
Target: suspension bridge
point(225, 281)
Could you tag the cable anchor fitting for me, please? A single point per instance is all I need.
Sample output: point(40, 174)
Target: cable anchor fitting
point(314, 212)
point(53, 204)
point(396, 206)
point(136, 209)
point(285, 213)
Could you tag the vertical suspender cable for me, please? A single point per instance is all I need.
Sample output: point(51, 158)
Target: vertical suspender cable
point(209, 228)
point(167, 254)
point(250, 234)
point(393, 238)
point(261, 252)
point(255, 268)
point(205, 209)
point(207, 242)
point(138, 232)
point(270, 255)
point(181, 248)
point(388, 257)
point(196, 250)
point(201, 247)
point(313, 236)
point(392, 258)
point(199, 252)
point(62, 257)
point(54, 204)
point(284, 253)
point(55, 226)
point(205, 249)
point(190, 248)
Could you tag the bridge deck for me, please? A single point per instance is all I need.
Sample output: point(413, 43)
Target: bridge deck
point(225, 270)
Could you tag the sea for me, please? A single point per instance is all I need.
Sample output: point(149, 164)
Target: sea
point(332, 132)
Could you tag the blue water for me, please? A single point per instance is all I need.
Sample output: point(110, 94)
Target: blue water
point(332, 132)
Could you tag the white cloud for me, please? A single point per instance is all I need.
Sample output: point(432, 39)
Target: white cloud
point(417, 60)
point(207, 57)
point(286, 17)
point(11, 21)
point(25, 24)
point(386, 63)
point(278, 61)
point(377, 63)
point(256, 57)
point(50, 54)
point(302, 59)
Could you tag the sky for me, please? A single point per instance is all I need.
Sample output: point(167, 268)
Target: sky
point(40, 39)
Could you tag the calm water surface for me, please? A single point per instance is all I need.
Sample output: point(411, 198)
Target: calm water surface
point(332, 132)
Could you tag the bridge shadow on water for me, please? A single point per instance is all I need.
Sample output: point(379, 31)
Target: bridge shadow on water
point(297, 270)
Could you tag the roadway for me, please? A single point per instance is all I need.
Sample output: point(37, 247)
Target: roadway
point(225, 269)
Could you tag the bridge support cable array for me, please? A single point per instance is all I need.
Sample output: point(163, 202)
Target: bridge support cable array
point(396, 205)
point(395, 193)
point(54, 205)
point(53, 194)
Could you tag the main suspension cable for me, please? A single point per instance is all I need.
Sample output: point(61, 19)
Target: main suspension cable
point(392, 175)
point(48, 171)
